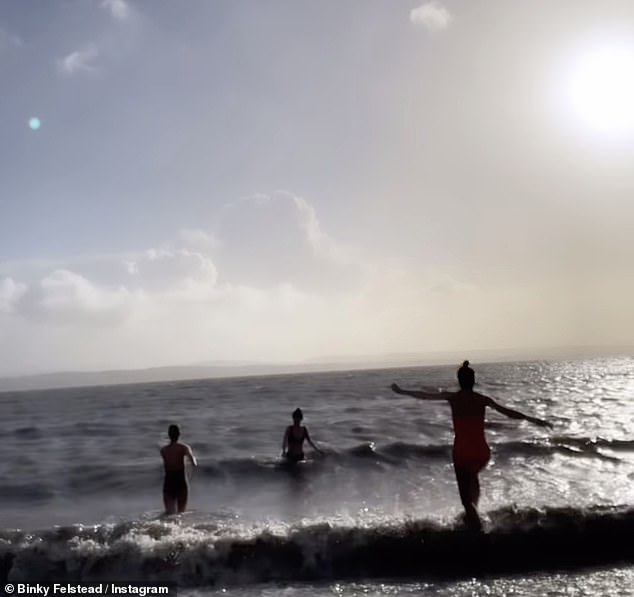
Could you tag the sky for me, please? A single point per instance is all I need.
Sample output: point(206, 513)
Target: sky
point(250, 181)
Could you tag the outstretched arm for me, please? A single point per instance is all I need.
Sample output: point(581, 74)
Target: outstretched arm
point(421, 395)
point(310, 441)
point(516, 414)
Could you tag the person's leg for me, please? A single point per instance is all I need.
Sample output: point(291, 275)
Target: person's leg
point(469, 490)
point(182, 499)
point(172, 488)
point(475, 489)
point(170, 503)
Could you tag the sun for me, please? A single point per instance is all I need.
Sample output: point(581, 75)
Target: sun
point(601, 88)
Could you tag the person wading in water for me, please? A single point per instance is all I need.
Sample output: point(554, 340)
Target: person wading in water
point(175, 487)
point(294, 437)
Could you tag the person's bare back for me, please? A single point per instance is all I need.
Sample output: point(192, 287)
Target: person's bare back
point(174, 455)
point(467, 403)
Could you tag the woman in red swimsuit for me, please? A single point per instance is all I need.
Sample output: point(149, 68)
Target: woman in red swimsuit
point(470, 450)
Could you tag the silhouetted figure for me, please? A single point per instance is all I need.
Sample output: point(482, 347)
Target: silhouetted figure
point(175, 487)
point(294, 437)
point(470, 450)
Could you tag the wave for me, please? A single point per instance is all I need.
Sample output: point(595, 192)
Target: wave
point(397, 454)
point(84, 480)
point(196, 554)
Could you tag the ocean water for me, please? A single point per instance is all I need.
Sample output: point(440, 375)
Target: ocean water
point(377, 514)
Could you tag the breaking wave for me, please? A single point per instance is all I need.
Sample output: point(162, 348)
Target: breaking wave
point(205, 552)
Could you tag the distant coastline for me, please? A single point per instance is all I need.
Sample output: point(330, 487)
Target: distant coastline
point(70, 379)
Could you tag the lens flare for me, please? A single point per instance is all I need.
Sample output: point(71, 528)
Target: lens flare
point(35, 123)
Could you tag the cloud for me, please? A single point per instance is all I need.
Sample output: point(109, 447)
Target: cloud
point(117, 8)
point(197, 239)
point(432, 16)
point(108, 289)
point(285, 217)
point(10, 294)
point(112, 42)
point(165, 269)
point(322, 244)
point(130, 267)
point(78, 61)
point(256, 287)
point(8, 40)
point(271, 282)
point(64, 290)
point(272, 239)
point(64, 297)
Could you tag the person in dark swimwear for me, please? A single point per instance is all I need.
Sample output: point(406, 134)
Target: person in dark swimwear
point(471, 452)
point(175, 487)
point(294, 437)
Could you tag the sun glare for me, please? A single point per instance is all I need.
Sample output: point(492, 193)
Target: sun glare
point(601, 89)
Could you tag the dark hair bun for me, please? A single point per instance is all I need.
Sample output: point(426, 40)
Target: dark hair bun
point(466, 376)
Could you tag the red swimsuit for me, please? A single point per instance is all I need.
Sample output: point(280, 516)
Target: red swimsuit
point(470, 449)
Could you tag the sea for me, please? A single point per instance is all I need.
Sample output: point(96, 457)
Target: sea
point(377, 513)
